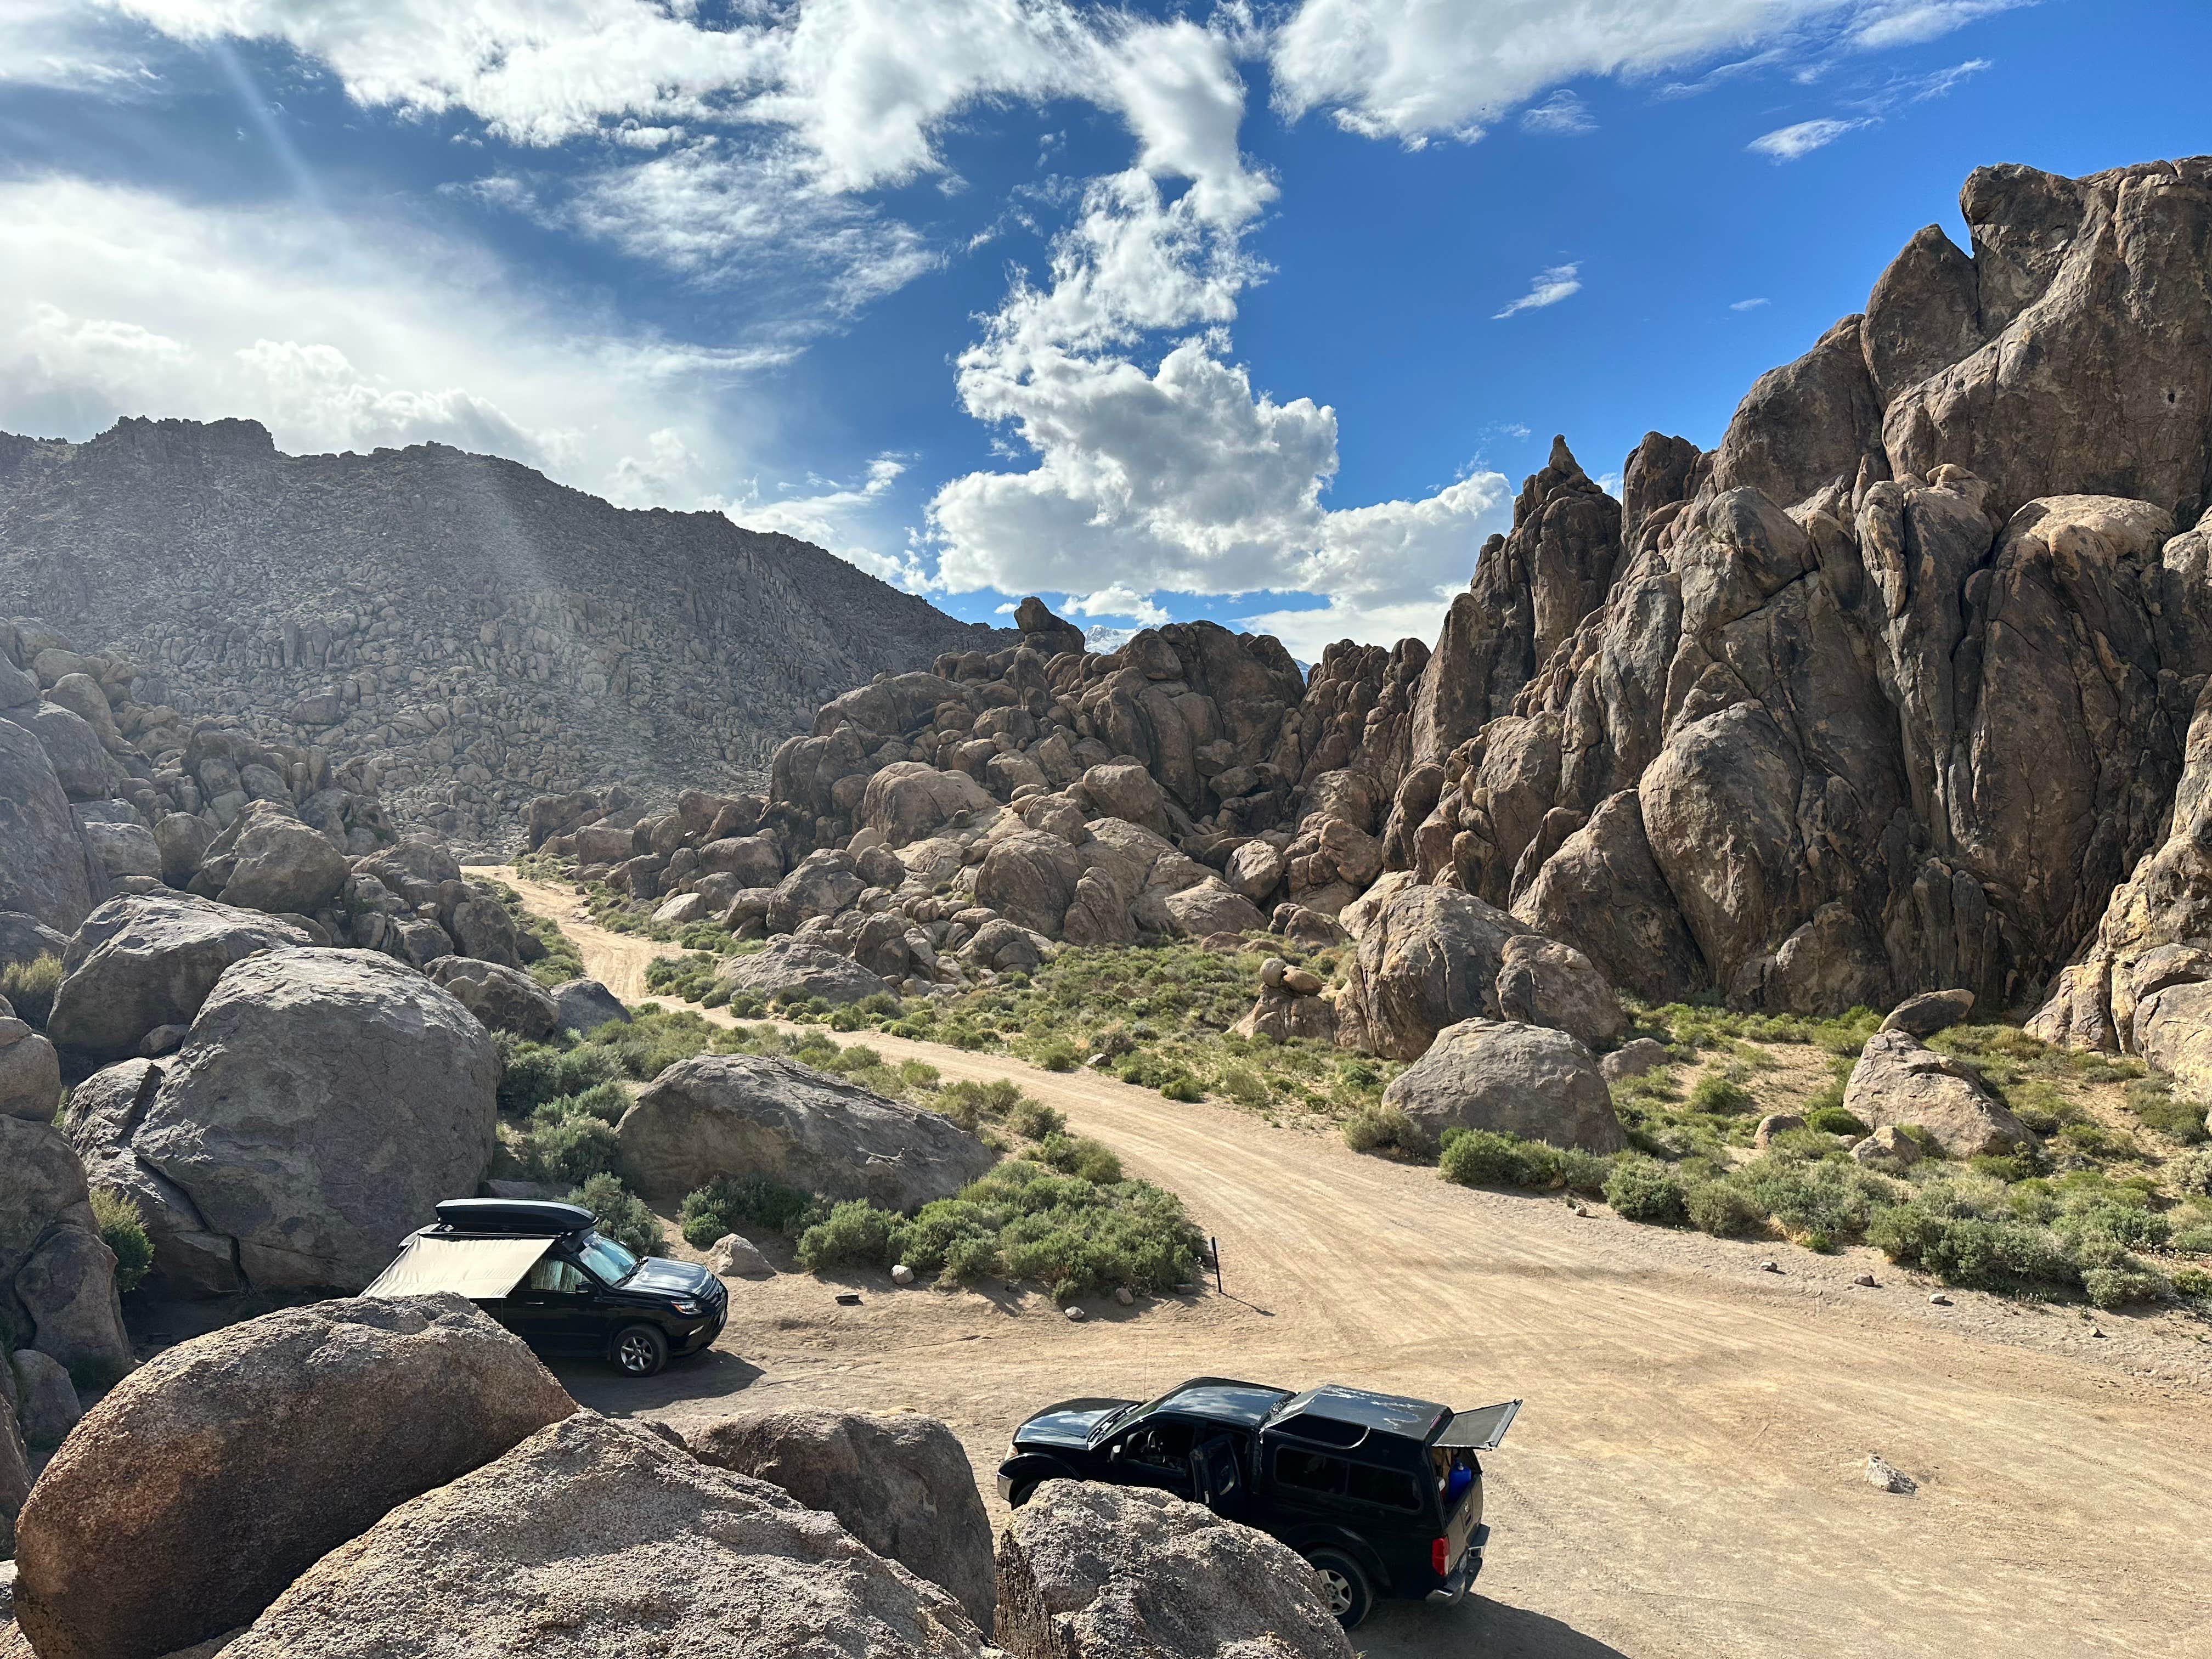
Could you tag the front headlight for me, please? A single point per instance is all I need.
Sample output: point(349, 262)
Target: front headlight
point(687, 1308)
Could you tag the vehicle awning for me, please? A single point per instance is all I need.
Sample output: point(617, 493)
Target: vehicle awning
point(483, 1269)
point(1480, 1428)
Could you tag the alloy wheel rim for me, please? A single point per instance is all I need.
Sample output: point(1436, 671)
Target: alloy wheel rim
point(637, 1353)
point(1335, 1589)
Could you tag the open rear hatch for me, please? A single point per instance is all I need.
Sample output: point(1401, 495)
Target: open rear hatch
point(1479, 1430)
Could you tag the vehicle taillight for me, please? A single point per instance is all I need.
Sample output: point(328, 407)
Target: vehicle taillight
point(1440, 1555)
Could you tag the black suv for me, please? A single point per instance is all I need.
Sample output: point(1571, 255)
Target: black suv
point(541, 1271)
point(1382, 1494)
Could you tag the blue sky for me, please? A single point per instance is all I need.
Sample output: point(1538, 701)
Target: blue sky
point(1258, 312)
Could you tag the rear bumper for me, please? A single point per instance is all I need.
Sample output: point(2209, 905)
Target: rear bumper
point(1463, 1576)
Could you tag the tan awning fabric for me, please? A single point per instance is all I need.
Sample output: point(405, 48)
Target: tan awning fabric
point(483, 1269)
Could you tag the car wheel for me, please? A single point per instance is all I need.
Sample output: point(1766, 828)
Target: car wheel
point(1022, 1492)
point(640, 1351)
point(1343, 1587)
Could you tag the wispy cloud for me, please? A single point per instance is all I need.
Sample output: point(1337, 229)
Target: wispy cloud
point(1548, 288)
point(1909, 22)
point(1789, 143)
point(1562, 113)
point(1935, 85)
point(1749, 305)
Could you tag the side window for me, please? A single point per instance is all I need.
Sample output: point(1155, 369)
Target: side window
point(1387, 1487)
point(1311, 1471)
point(1163, 1444)
point(553, 1274)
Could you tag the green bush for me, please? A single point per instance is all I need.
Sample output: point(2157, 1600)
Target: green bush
point(564, 1147)
point(1079, 1155)
point(622, 1216)
point(1820, 1201)
point(954, 1239)
point(652, 1040)
point(855, 1233)
point(1644, 1189)
point(1244, 1086)
point(1058, 1054)
point(1938, 1230)
point(2192, 1173)
point(1717, 1207)
point(711, 1211)
point(123, 1228)
point(533, 1073)
point(29, 987)
point(2154, 1105)
point(2193, 1282)
point(1032, 1119)
point(1834, 1120)
point(1482, 1158)
point(2119, 1286)
point(1184, 1087)
point(1370, 1126)
point(1716, 1094)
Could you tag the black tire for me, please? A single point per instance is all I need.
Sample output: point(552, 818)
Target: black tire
point(639, 1350)
point(1022, 1491)
point(1343, 1586)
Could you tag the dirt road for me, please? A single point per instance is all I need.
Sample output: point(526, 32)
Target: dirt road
point(1685, 1477)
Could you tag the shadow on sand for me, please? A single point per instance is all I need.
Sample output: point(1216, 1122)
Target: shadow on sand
point(1496, 1630)
point(606, 1390)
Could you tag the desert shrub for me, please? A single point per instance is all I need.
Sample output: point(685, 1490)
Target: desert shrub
point(605, 1100)
point(2192, 1241)
point(853, 1233)
point(1834, 1120)
point(1719, 1095)
point(2192, 1281)
point(1082, 1238)
point(1940, 1231)
point(1079, 1155)
point(1032, 1119)
point(652, 1040)
point(565, 1146)
point(1184, 1087)
point(533, 1073)
point(1719, 1208)
point(1477, 1158)
point(1370, 1126)
point(1644, 1189)
point(2154, 1105)
point(622, 1215)
point(2119, 1286)
point(2125, 1227)
point(1244, 1086)
point(124, 1230)
point(29, 987)
point(1819, 1202)
point(716, 1208)
point(1058, 1054)
point(956, 1238)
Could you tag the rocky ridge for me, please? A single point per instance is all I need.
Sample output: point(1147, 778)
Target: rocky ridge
point(481, 633)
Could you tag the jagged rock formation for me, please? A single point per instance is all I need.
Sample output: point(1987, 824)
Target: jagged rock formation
point(1886, 693)
point(483, 633)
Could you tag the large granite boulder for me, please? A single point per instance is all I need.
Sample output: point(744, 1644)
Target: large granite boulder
point(269, 860)
point(44, 872)
point(1094, 1572)
point(742, 1115)
point(804, 970)
point(1429, 958)
point(323, 1104)
point(504, 999)
point(822, 884)
point(56, 1277)
point(1527, 1080)
point(591, 1539)
point(25, 940)
point(907, 801)
point(30, 1073)
point(190, 1259)
point(1541, 982)
point(219, 1471)
point(902, 1485)
point(150, 959)
point(585, 1004)
point(1898, 1081)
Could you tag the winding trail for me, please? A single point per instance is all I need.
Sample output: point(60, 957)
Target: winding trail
point(1685, 1477)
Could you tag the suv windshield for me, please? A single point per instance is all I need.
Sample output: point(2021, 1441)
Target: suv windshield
point(610, 1263)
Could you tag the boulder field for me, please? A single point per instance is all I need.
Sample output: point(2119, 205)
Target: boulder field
point(1900, 687)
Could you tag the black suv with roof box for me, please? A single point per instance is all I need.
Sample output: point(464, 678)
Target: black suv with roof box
point(544, 1272)
point(1382, 1495)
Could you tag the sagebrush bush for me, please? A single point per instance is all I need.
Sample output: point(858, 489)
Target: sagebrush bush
point(532, 1073)
point(1719, 1208)
point(1387, 1125)
point(29, 987)
point(711, 1211)
point(1644, 1189)
point(1033, 1120)
point(853, 1234)
point(1834, 1120)
point(1481, 1157)
point(2121, 1286)
point(1820, 1201)
point(565, 1146)
point(1244, 1086)
point(1719, 1095)
point(2192, 1172)
point(622, 1215)
point(1079, 1155)
point(1058, 1054)
point(124, 1230)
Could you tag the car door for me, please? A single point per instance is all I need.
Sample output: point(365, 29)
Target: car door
point(552, 1309)
point(1154, 1451)
point(1217, 1476)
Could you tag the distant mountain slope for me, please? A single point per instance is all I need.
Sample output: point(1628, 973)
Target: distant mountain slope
point(485, 634)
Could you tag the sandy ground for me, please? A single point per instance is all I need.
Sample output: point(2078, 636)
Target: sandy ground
point(1686, 1476)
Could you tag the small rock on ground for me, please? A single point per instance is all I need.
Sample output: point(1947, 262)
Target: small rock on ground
point(1882, 1476)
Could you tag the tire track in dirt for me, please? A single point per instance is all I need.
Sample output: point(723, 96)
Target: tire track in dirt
point(1684, 1479)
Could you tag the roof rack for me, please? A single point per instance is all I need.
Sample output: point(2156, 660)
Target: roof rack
point(528, 1217)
